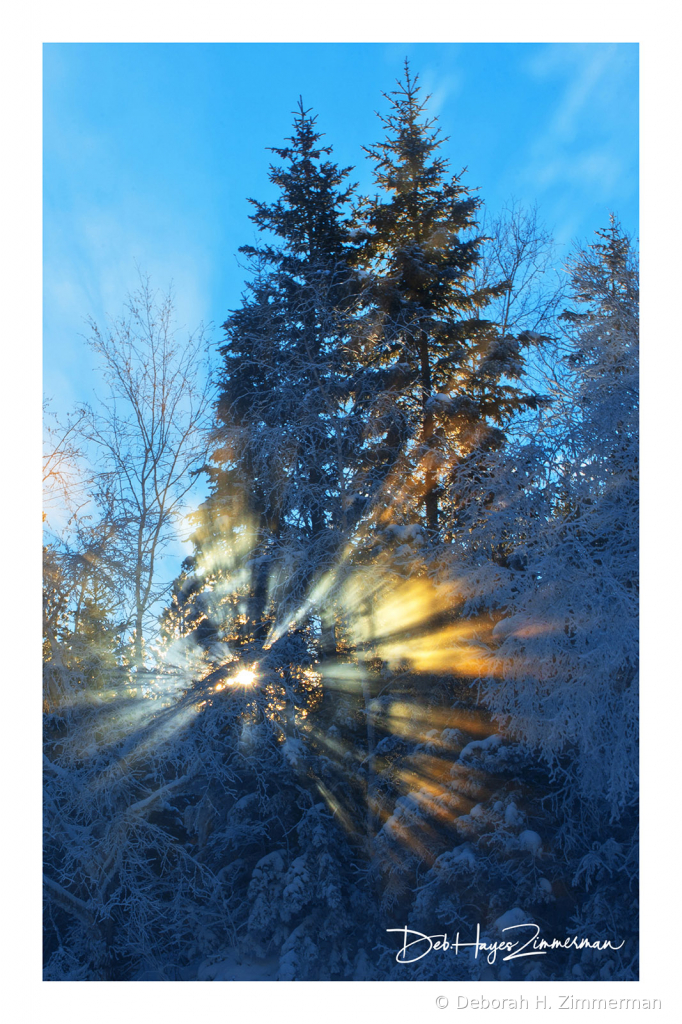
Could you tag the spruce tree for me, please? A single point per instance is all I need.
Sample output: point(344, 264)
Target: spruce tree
point(285, 440)
point(282, 476)
point(423, 311)
point(443, 382)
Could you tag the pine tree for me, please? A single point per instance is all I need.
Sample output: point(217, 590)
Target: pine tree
point(443, 383)
point(286, 440)
point(422, 306)
point(282, 475)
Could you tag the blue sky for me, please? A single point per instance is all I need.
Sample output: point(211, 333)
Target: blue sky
point(151, 150)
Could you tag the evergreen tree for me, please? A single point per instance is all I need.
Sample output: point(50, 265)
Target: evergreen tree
point(561, 670)
point(284, 459)
point(422, 306)
point(82, 615)
point(576, 567)
point(282, 475)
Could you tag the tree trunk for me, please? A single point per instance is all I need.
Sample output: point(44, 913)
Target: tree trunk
point(430, 492)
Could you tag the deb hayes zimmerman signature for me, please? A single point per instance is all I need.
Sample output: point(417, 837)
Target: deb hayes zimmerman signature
point(417, 945)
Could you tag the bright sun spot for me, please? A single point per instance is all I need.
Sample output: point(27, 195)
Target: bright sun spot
point(245, 677)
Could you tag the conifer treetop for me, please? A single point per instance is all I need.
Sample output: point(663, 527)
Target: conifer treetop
point(306, 215)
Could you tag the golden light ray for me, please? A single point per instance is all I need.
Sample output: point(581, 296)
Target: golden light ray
point(388, 612)
point(336, 808)
point(384, 507)
point(415, 721)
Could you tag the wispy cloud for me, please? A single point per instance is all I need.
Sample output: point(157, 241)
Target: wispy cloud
point(580, 152)
point(440, 88)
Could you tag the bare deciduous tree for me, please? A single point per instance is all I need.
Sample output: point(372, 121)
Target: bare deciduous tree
point(521, 251)
point(65, 480)
point(147, 434)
